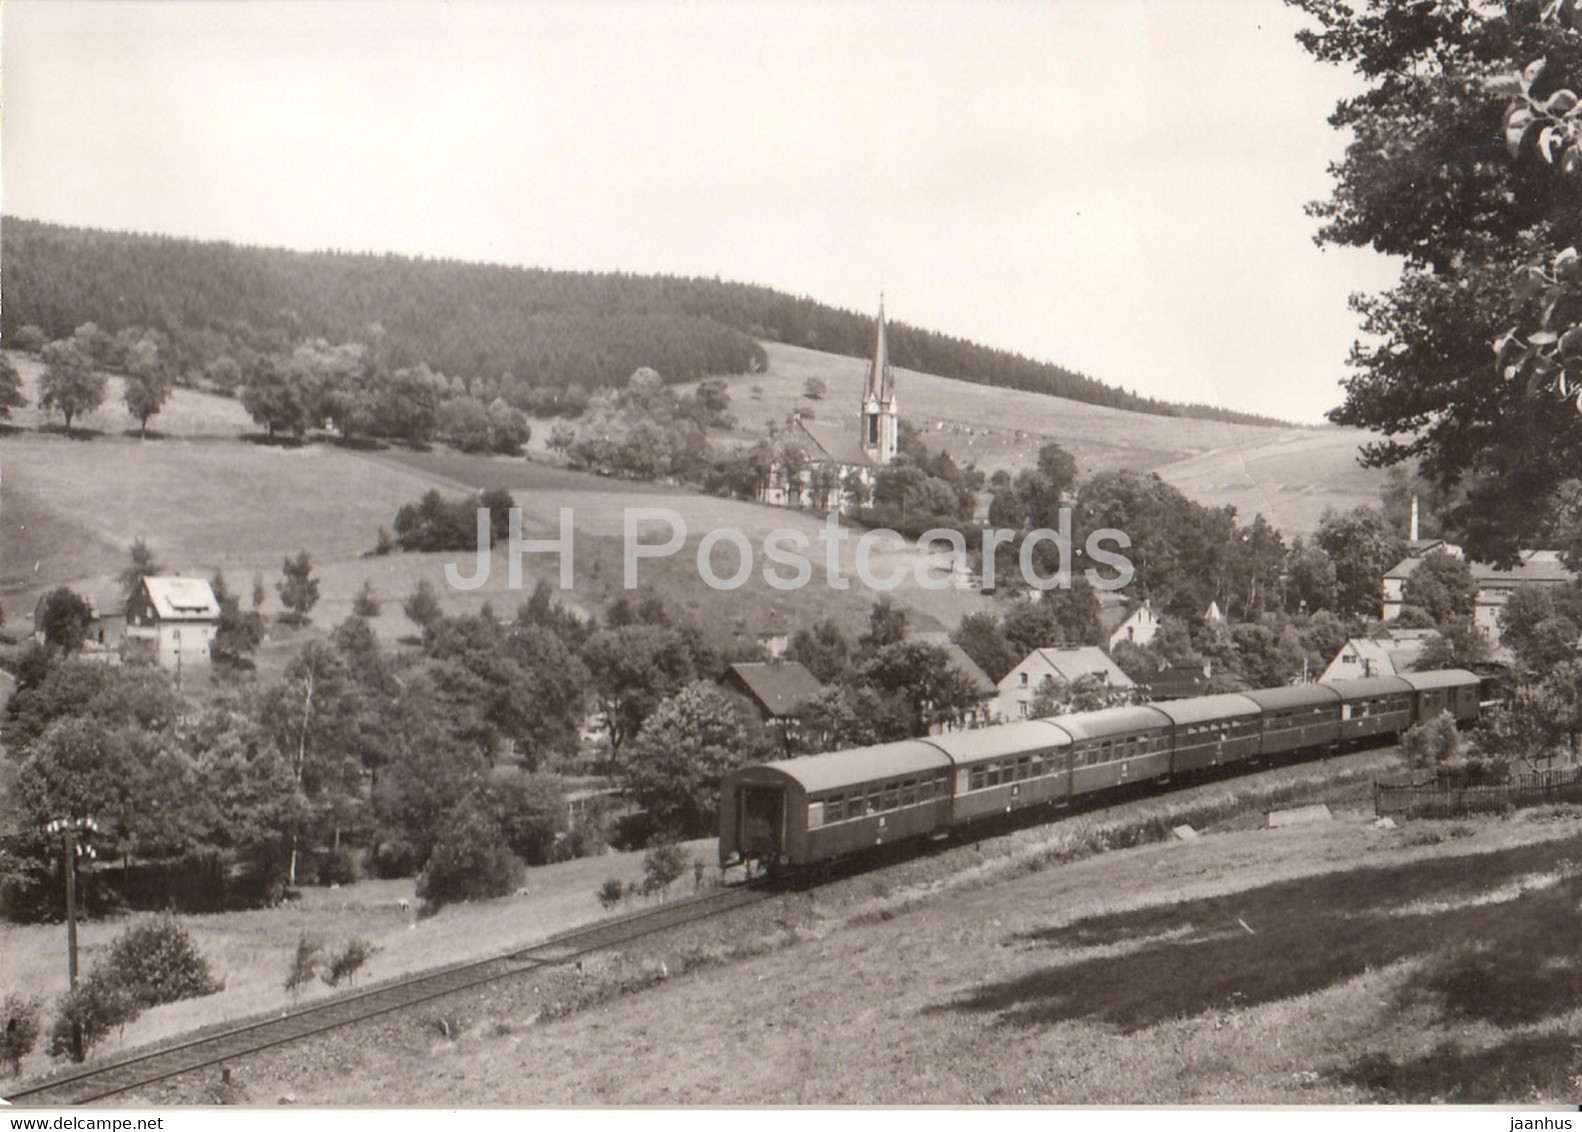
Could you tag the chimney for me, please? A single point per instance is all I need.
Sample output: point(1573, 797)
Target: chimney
point(1413, 535)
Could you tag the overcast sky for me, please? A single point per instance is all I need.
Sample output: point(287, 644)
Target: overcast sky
point(1113, 186)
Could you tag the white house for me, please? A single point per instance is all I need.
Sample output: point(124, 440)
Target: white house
point(174, 616)
point(1064, 666)
point(1388, 655)
point(1494, 586)
point(1138, 627)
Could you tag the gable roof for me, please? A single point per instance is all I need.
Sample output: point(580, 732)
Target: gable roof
point(836, 443)
point(1089, 660)
point(960, 661)
point(778, 688)
point(1386, 657)
point(181, 599)
point(964, 664)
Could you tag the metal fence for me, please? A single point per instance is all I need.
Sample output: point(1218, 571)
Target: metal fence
point(1444, 797)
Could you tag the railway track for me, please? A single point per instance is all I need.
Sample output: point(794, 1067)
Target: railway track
point(125, 1074)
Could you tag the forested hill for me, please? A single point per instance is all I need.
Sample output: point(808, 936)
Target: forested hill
point(470, 320)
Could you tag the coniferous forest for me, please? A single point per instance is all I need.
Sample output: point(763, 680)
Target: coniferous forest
point(520, 329)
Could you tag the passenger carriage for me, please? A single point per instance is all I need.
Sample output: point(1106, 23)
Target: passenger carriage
point(818, 807)
point(1453, 689)
point(1004, 768)
point(1374, 706)
point(1213, 730)
point(1116, 746)
point(1299, 717)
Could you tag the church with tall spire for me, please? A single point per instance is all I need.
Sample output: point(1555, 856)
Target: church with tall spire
point(837, 465)
point(881, 424)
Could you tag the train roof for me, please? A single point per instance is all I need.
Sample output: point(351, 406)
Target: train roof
point(1441, 678)
point(857, 765)
point(1200, 709)
point(1363, 687)
point(1019, 738)
point(1294, 696)
point(1106, 722)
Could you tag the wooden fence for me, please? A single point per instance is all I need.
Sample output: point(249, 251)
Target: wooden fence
point(1449, 798)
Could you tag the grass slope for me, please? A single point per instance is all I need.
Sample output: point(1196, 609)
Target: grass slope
point(1332, 963)
point(1289, 474)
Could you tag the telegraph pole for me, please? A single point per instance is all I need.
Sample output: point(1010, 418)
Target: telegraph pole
point(68, 830)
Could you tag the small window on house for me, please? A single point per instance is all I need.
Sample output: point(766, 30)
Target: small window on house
point(1024, 679)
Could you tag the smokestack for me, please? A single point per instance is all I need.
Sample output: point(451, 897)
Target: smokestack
point(1414, 517)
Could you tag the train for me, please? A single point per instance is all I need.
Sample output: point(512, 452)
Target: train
point(813, 810)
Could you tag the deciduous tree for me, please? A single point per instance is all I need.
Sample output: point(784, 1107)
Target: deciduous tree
point(70, 385)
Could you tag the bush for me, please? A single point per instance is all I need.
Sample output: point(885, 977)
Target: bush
point(305, 962)
point(1433, 743)
point(344, 966)
point(338, 866)
point(610, 893)
point(20, 1031)
point(470, 861)
point(394, 858)
point(97, 1006)
point(530, 811)
point(662, 867)
point(156, 962)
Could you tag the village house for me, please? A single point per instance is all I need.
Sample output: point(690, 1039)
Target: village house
point(105, 631)
point(1136, 626)
point(174, 618)
point(837, 464)
point(1494, 586)
point(1062, 666)
point(1386, 654)
point(981, 714)
point(777, 689)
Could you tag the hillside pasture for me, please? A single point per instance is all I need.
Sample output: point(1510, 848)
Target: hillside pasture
point(187, 413)
point(1290, 474)
point(1329, 964)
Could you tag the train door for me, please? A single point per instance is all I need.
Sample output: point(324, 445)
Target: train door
point(762, 810)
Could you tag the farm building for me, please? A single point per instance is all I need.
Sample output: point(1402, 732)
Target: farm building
point(176, 617)
point(839, 464)
point(1063, 666)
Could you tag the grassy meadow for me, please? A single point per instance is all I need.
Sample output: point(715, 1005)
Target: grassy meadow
point(1331, 963)
point(251, 951)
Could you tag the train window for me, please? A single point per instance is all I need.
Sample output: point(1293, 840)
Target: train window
point(834, 807)
point(815, 814)
point(1024, 767)
point(976, 780)
point(891, 797)
point(909, 792)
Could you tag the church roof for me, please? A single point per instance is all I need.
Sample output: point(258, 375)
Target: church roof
point(837, 443)
point(881, 382)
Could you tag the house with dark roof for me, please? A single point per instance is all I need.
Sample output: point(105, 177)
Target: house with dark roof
point(981, 714)
point(776, 689)
point(838, 463)
point(103, 634)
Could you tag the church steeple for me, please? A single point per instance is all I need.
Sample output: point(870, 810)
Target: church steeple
point(880, 421)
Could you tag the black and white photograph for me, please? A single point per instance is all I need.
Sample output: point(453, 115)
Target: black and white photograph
point(591, 558)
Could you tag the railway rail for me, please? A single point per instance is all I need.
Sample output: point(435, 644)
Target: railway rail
point(135, 1071)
